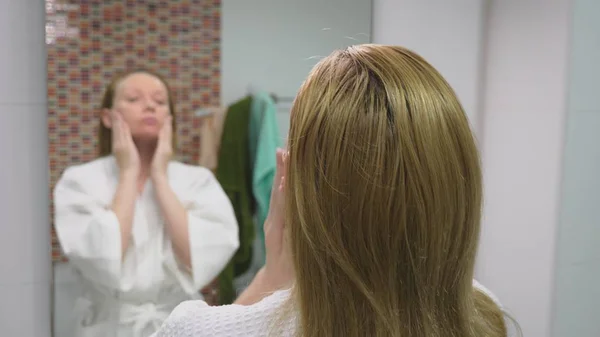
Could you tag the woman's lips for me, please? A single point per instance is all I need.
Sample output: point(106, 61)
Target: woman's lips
point(150, 121)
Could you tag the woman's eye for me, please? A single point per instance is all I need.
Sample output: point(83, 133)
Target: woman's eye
point(132, 99)
point(161, 102)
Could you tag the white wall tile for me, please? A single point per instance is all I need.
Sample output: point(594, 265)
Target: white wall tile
point(28, 314)
point(25, 272)
point(22, 52)
point(448, 34)
point(585, 54)
point(25, 230)
point(66, 290)
point(579, 230)
point(577, 312)
point(524, 113)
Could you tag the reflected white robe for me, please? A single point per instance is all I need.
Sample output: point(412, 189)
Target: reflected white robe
point(131, 297)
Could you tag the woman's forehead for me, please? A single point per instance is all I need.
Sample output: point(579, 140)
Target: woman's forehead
point(142, 81)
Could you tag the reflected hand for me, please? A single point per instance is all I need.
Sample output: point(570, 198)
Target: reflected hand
point(164, 150)
point(123, 147)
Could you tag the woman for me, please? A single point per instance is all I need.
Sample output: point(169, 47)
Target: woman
point(383, 198)
point(143, 231)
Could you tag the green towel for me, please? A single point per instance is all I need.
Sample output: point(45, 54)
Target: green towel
point(263, 142)
point(235, 176)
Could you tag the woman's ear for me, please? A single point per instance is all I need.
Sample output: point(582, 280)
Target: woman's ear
point(106, 118)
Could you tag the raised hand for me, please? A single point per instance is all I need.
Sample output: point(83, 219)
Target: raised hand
point(123, 147)
point(278, 270)
point(164, 150)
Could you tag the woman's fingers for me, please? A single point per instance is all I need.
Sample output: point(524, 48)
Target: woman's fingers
point(125, 132)
point(275, 215)
point(116, 126)
point(167, 130)
point(121, 134)
point(169, 126)
point(283, 164)
point(279, 266)
point(279, 168)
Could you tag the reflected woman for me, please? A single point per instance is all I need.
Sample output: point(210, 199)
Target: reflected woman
point(375, 214)
point(143, 231)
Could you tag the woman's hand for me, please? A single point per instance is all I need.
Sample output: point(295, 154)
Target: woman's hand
point(164, 150)
point(278, 270)
point(123, 147)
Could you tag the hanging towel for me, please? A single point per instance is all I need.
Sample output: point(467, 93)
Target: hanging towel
point(263, 142)
point(235, 176)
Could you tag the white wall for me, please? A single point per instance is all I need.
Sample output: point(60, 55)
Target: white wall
point(517, 98)
point(66, 289)
point(448, 34)
point(25, 274)
point(524, 111)
point(273, 44)
point(577, 272)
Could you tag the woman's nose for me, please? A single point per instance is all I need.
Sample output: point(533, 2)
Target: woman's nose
point(149, 104)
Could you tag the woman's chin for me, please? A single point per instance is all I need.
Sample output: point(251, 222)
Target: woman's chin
point(149, 138)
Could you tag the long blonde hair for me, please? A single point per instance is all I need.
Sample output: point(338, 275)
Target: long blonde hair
point(383, 201)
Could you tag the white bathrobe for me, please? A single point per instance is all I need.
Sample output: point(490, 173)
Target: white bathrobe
point(197, 319)
point(131, 297)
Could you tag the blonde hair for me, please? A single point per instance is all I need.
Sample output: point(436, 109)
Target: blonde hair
point(383, 201)
point(110, 92)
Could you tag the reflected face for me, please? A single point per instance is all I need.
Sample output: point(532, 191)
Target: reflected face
point(143, 101)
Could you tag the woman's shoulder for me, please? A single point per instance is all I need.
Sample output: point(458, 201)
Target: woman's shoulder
point(96, 177)
point(487, 292)
point(94, 168)
point(197, 319)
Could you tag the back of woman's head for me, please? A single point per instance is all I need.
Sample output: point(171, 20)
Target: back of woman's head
point(384, 201)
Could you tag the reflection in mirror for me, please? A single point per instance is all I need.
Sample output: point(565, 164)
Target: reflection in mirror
point(136, 233)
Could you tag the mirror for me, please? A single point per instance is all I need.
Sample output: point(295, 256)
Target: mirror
point(218, 58)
